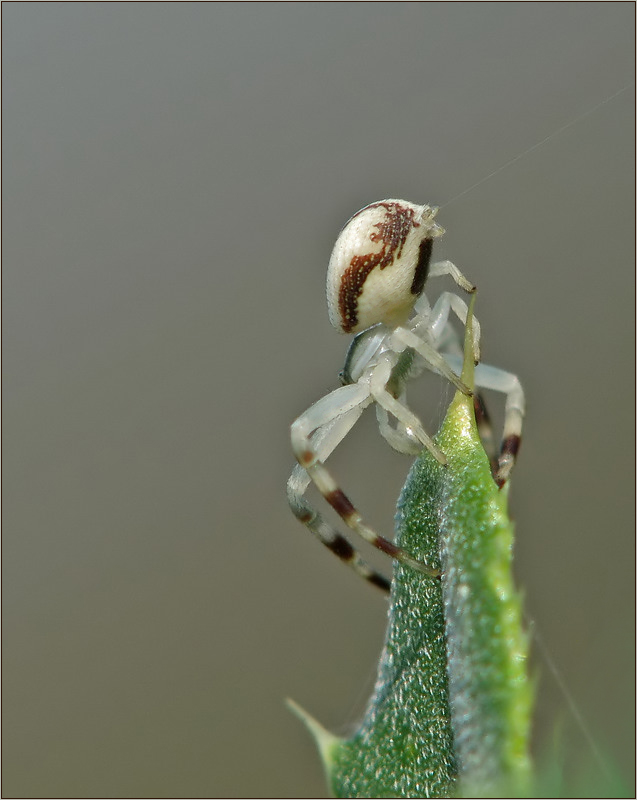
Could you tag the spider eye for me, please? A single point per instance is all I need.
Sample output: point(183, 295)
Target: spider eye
point(379, 265)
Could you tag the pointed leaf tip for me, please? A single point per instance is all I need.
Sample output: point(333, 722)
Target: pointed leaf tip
point(325, 741)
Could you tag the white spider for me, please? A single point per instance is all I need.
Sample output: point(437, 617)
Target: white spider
point(375, 281)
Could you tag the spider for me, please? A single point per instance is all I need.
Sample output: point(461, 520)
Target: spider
point(375, 281)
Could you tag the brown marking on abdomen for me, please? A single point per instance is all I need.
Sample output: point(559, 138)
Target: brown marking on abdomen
point(392, 232)
point(422, 267)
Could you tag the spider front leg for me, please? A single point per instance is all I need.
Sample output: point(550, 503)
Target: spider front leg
point(380, 377)
point(488, 377)
point(448, 268)
point(403, 337)
point(323, 413)
point(437, 320)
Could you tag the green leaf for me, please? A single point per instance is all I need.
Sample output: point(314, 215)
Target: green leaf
point(450, 713)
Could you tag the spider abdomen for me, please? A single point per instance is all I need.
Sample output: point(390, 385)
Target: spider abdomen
point(379, 264)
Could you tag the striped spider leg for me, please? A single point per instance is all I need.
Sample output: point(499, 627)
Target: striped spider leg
point(323, 442)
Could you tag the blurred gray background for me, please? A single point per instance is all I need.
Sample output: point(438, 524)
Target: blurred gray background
point(174, 178)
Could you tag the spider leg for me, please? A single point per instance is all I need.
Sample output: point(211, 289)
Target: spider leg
point(447, 338)
point(438, 320)
point(400, 439)
point(402, 337)
point(324, 441)
point(447, 268)
point(501, 381)
point(322, 413)
point(378, 385)
point(485, 431)
point(488, 377)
